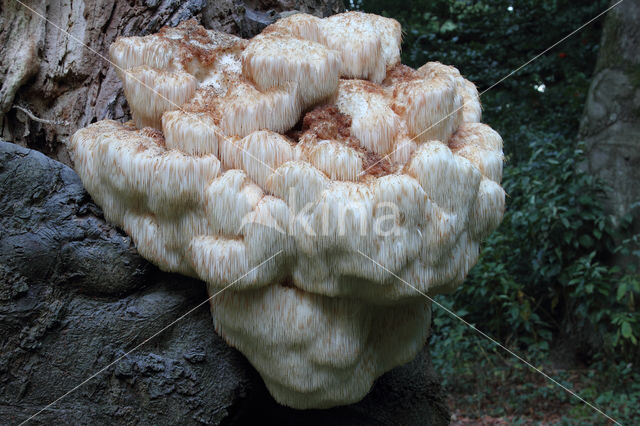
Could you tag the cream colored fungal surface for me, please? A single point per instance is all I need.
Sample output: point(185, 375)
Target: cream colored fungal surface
point(313, 142)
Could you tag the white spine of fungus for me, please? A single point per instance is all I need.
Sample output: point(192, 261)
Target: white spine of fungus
point(310, 142)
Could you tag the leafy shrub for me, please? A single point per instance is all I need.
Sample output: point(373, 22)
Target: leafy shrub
point(545, 276)
point(546, 271)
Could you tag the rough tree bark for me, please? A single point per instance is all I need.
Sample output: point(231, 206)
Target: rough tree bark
point(51, 84)
point(611, 122)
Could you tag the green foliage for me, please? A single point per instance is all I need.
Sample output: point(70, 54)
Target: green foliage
point(545, 275)
point(486, 42)
point(544, 272)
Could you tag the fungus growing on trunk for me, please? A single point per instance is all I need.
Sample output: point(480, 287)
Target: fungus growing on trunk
point(312, 141)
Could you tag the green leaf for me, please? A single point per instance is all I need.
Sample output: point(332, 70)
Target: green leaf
point(586, 241)
point(622, 290)
point(448, 26)
point(585, 199)
point(626, 330)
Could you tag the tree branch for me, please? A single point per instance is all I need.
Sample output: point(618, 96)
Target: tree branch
point(40, 120)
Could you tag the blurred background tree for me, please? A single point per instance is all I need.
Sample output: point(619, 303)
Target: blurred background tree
point(548, 284)
point(610, 124)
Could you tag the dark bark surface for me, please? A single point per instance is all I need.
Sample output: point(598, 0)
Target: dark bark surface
point(54, 74)
point(611, 122)
point(75, 296)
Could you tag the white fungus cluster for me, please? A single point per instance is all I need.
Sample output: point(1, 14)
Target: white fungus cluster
point(310, 141)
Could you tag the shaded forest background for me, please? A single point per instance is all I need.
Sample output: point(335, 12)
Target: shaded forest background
point(549, 284)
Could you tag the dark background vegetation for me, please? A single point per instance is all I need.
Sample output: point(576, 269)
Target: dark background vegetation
point(546, 285)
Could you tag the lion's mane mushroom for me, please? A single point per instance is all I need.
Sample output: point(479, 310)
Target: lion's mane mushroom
point(310, 140)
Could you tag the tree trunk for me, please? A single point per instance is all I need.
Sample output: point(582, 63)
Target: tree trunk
point(54, 74)
point(611, 122)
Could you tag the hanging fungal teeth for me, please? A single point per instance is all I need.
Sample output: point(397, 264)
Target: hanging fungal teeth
point(470, 109)
point(310, 142)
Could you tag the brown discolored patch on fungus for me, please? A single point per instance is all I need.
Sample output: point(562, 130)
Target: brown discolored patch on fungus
point(154, 134)
point(370, 87)
point(197, 43)
point(399, 73)
point(326, 122)
point(456, 141)
point(376, 166)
